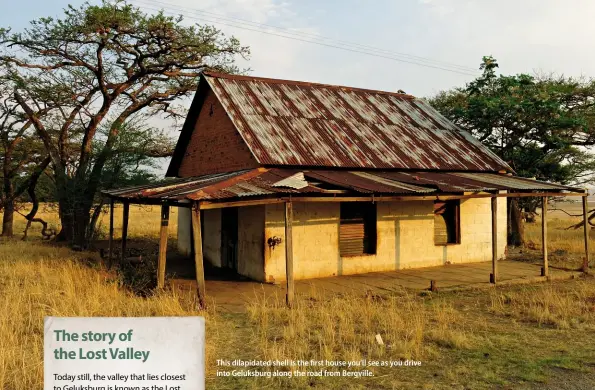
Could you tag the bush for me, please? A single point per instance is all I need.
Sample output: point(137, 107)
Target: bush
point(140, 277)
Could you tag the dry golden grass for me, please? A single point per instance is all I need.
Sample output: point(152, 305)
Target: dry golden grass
point(508, 337)
point(39, 280)
point(405, 322)
point(451, 333)
point(548, 305)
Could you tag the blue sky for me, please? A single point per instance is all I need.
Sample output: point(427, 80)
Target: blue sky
point(545, 36)
point(528, 36)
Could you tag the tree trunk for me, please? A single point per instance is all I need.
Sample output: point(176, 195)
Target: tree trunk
point(516, 229)
point(8, 203)
point(8, 218)
point(75, 224)
point(74, 209)
point(94, 218)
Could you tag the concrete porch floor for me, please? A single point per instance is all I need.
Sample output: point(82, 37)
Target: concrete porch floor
point(234, 295)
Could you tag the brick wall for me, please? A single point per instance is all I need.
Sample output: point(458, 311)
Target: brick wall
point(215, 145)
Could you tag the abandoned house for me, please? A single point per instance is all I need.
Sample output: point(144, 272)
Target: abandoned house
point(286, 180)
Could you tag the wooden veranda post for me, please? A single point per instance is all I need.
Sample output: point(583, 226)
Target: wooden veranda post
point(110, 248)
point(198, 256)
point(494, 274)
point(586, 233)
point(545, 269)
point(161, 263)
point(125, 214)
point(289, 252)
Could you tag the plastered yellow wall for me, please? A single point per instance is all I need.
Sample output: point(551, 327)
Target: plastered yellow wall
point(405, 233)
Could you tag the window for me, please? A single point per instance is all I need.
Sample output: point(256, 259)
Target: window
point(357, 230)
point(446, 222)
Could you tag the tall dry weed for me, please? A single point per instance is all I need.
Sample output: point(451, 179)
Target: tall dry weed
point(549, 305)
point(343, 327)
point(39, 280)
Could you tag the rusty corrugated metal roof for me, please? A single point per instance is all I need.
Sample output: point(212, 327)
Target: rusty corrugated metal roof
point(365, 182)
point(172, 189)
point(442, 181)
point(509, 182)
point(316, 125)
point(270, 182)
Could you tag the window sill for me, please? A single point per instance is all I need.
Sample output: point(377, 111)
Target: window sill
point(448, 244)
point(361, 255)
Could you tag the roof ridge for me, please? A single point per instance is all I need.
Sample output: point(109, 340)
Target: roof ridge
point(302, 83)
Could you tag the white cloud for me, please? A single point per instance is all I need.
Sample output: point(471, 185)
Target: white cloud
point(549, 35)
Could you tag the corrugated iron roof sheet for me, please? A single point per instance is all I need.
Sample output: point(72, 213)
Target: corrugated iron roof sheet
point(316, 125)
point(365, 182)
point(509, 182)
point(444, 182)
point(175, 188)
point(266, 182)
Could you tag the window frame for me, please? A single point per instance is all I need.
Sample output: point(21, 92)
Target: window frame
point(456, 204)
point(369, 216)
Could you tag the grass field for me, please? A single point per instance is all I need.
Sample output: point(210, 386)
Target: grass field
point(531, 336)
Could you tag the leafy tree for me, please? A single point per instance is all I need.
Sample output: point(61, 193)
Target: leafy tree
point(100, 66)
point(136, 155)
point(22, 157)
point(134, 159)
point(541, 125)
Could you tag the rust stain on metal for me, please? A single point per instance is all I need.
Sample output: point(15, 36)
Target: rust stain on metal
point(228, 182)
point(317, 125)
point(510, 182)
point(263, 182)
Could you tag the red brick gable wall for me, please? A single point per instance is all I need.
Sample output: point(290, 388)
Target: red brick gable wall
point(215, 145)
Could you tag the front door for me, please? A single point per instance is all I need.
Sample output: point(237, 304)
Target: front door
point(229, 238)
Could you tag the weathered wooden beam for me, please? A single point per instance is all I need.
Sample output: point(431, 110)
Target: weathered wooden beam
point(151, 201)
point(289, 252)
point(110, 248)
point(205, 205)
point(545, 269)
point(586, 234)
point(162, 260)
point(208, 205)
point(426, 197)
point(361, 198)
point(198, 256)
point(494, 274)
point(125, 214)
point(433, 286)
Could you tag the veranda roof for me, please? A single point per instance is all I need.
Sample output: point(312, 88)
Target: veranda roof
point(262, 183)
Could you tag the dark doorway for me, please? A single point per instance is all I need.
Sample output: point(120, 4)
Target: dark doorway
point(229, 238)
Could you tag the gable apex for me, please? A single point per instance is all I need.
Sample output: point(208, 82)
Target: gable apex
point(209, 142)
point(293, 123)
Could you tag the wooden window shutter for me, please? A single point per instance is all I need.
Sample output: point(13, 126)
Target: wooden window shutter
point(357, 229)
